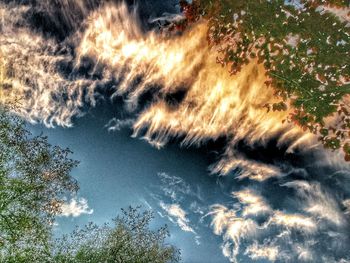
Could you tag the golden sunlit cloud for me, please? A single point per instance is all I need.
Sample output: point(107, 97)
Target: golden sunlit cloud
point(215, 103)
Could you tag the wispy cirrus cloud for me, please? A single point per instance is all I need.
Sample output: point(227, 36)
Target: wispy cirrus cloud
point(318, 201)
point(346, 203)
point(117, 124)
point(178, 216)
point(254, 204)
point(256, 252)
point(254, 228)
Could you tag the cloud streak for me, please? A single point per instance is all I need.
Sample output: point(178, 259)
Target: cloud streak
point(113, 48)
point(178, 215)
point(255, 229)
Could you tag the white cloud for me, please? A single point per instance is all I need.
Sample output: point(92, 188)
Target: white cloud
point(318, 202)
point(178, 216)
point(304, 253)
point(239, 230)
point(346, 203)
point(295, 221)
point(257, 252)
point(221, 217)
point(174, 187)
point(75, 208)
point(117, 124)
point(254, 203)
point(225, 222)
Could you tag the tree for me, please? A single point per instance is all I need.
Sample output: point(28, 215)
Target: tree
point(34, 179)
point(305, 48)
point(129, 240)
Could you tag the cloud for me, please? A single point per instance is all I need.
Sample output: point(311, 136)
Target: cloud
point(346, 203)
point(168, 18)
point(296, 222)
point(76, 208)
point(32, 72)
point(318, 201)
point(257, 252)
point(117, 124)
point(254, 204)
point(112, 53)
point(304, 254)
point(233, 228)
point(253, 170)
point(178, 199)
point(252, 227)
point(178, 215)
point(174, 187)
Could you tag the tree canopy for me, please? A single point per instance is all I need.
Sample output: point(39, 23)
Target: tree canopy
point(304, 46)
point(128, 240)
point(35, 181)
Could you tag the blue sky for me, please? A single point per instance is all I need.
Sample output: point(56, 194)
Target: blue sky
point(116, 171)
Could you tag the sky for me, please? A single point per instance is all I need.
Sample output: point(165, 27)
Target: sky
point(116, 171)
point(155, 121)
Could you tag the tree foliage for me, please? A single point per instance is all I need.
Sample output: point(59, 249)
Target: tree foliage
point(305, 48)
point(34, 179)
point(128, 240)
